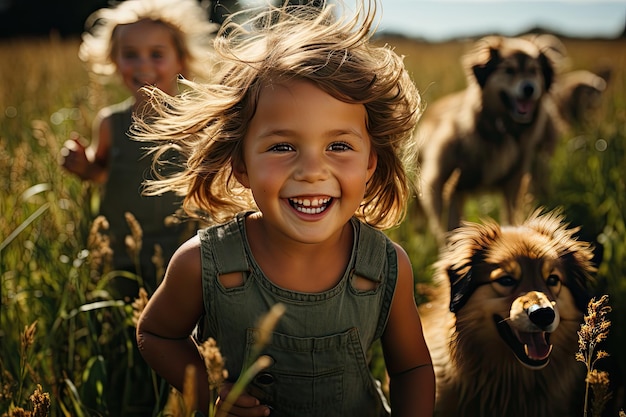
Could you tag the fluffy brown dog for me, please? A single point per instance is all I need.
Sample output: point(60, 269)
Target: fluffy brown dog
point(486, 138)
point(516, 296)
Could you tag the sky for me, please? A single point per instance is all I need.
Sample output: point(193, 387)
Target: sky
point(438, 20)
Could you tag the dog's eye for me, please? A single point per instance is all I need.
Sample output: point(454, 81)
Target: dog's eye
point(506, 281)
point(553, 280)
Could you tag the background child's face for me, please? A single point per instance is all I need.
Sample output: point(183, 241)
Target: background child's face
point(307, 160)
point(146, 55)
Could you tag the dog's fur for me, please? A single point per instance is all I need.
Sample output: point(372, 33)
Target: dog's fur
point(487, 136)
point(500, 288)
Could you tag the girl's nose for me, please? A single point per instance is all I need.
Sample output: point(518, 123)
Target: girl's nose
point(310, 167)
point(142, 62)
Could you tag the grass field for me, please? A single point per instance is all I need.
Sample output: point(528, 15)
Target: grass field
point(59, 324)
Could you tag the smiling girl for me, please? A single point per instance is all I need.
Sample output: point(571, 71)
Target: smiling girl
point(298, 154)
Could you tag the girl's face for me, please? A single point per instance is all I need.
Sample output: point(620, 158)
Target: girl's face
point(307, 160)
point(146, 55)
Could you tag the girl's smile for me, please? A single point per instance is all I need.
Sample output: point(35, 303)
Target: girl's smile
point(310, 206)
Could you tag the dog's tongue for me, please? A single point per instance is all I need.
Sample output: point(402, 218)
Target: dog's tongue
point(524, 106)
point(535, 345)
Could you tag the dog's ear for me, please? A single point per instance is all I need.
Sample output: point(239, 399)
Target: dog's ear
point(482, 72)
point(578, 286)
point(466, 248)
point(461, 287)
point(578, 258)
point(547, 68)
point(483, 59)
point(553, 56)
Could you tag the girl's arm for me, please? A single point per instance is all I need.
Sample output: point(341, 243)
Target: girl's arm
point(411, 375)
point(165, 325)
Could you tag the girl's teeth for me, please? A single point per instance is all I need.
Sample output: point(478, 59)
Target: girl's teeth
point(305, 205)
point(311, 210)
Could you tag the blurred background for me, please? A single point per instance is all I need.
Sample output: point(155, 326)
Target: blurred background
point(432, 20)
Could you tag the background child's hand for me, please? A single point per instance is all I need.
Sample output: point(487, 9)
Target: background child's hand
point(245, 406)
point(73, 156)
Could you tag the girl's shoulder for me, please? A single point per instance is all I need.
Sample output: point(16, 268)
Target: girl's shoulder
point(187, 255)
point(228, 230)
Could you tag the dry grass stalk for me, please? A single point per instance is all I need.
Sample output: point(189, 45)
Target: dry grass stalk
point(18, 412)
point(99, 246)
point(159, 262)
point(244, 379)
point(214, 363)
point(6, 390)
point(593, 331)
point(599, 383)
point(41, 402)
point(173, 406)
point(267, 325)
point(183, 404)
point(139, 304)
point(134, 240)
point(28, 337)
point(190, 399)
point(41, 406)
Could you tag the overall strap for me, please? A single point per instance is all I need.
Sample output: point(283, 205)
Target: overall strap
point(371, 253)
point(228, 248)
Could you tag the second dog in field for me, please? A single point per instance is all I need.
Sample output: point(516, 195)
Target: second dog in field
point(486, 137)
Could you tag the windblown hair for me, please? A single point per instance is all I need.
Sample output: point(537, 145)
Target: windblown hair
point(207, 123)
point(191, 30)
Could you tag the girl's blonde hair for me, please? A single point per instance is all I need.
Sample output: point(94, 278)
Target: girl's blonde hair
point(191, 29)
point(208, 122)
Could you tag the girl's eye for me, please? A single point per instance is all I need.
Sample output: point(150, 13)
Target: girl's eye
point(129, 55)
point(339, 146)
point(281, 147)
point(157, 55)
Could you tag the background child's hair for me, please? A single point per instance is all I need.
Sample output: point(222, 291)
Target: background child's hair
point(208, 122)
point(191, 30)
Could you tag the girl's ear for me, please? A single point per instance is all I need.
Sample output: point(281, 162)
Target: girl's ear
point(371, 164)
point(240, 172)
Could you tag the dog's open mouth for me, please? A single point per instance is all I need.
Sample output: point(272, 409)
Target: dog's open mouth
point(522, 110)
point(532, 349)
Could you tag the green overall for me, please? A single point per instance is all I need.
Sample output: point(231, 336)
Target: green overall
point(320, 344)
point(129, 167)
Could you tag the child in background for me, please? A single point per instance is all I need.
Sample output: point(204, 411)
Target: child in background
point(140, 42)
point(301, 151)
point(143, 42)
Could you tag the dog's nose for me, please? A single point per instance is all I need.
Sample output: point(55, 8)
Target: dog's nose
point(528, 89)
point(541, 316)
